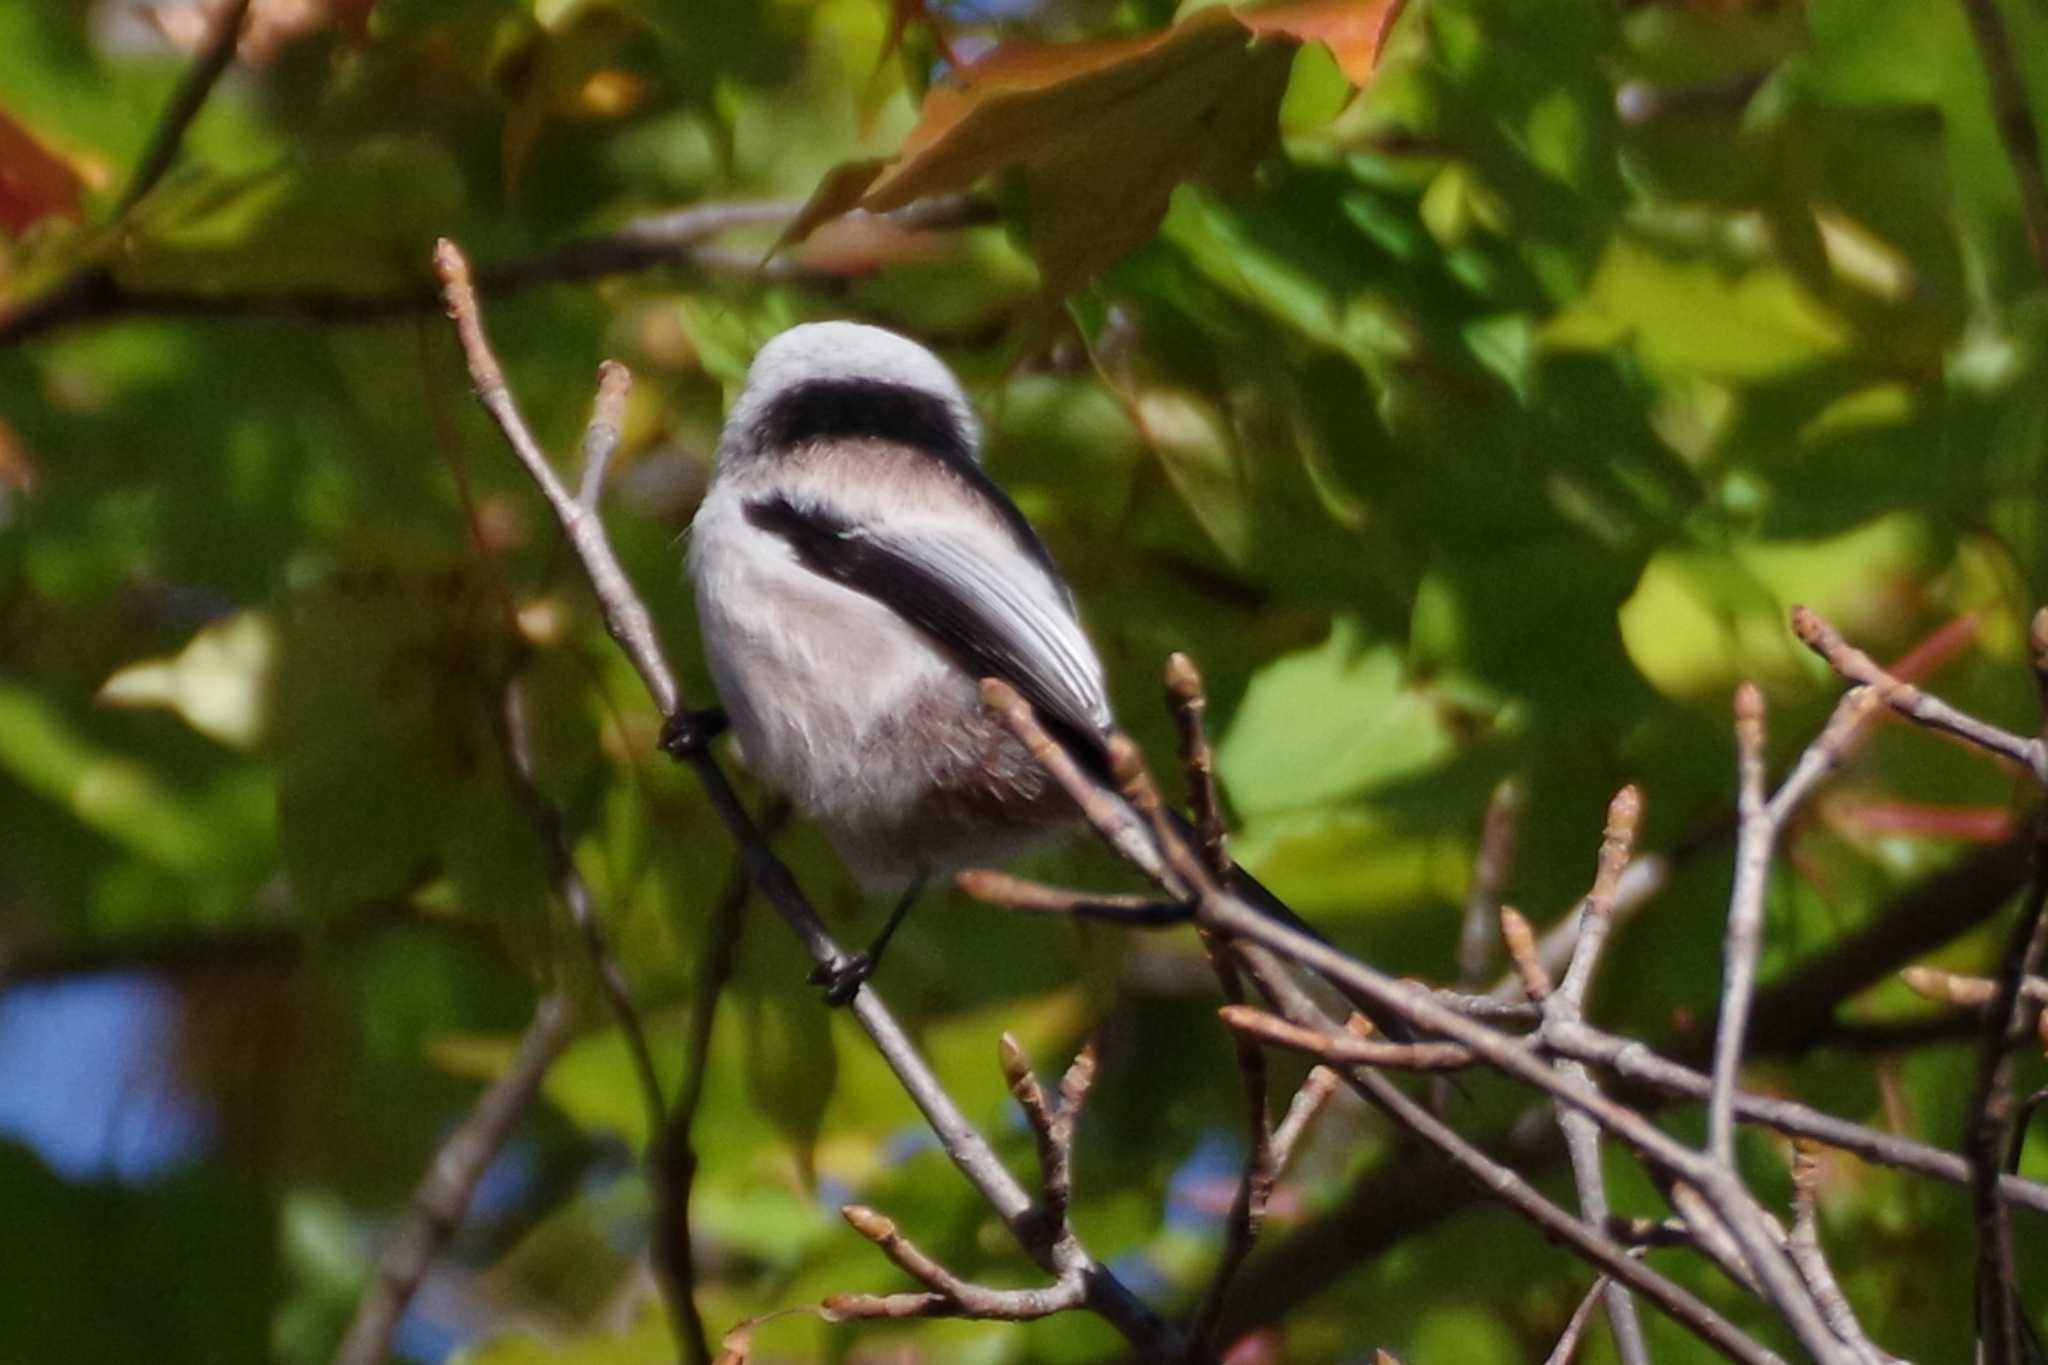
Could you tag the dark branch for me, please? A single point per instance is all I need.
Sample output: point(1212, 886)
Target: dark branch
point(186, 101)
point(443, 1195)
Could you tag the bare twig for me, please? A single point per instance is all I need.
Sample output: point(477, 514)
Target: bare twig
point(443, 1195)
point(1565, 1007)
point(1255, 1185)
point(1920, 707)
point(1017, 893)
point(1392, 1204)
point(1491, 867)
point(99, 292)
point(1753, 846)
point(186, 101)
point(1804, 1244)
point(1309, 1102)
point(951, 1296)
point(1971, 992)
point(2015, 120)
point(627, 619)
point(1186, 699)
point(672, 1158)
point(601, 436)
point(1344, 1048)
point(1991, 1115)
point(1221, 911)
point(1575, 1328)
point(1188, 703)
point(1524, 956)
point(1640, 883)
point(574, 894)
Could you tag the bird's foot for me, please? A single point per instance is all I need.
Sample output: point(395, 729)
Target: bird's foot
point(843, 976)
point(687, 733)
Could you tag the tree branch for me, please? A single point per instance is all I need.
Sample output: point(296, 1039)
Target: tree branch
point(444, 1193)
point(2017, 132)
point(187, 100)
point(1565, 1007)
point(98, 293)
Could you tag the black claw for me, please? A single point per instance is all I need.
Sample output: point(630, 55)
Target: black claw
point(843, 977)
point(687, 734)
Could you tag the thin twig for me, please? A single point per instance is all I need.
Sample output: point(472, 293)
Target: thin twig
point(1923, 708)
point(1525, 957)
point(1017, 893)
point(1990, 1118)
point(1491, 867)
point(1971, 992)
point(443, 1195)
point(575, 896)
point(672, 1159)
point(1392, 1205)
point(601, 436)
point(1318, 1088)
point(1565, 1007)
point(2015, 119)
point(1575, 1328)
point(1188, 703)
point(1753, 846)
point(1804, 1244)
point(1255, 1184)
point(951, 1296)
point(1647, 876)
point(679, 239)
point(1343, 1048)
point(186, 101)
point(626, 618)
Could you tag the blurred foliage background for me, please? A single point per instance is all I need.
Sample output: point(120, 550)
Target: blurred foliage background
point(1470, 388)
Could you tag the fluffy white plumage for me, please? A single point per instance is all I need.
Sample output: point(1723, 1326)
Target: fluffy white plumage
point(868, 722)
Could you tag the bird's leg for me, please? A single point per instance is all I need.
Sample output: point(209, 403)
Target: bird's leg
point(687, 733)
point(843, 977)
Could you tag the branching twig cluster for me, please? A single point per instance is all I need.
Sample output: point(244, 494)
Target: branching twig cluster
point(1052, 1122)
point(1717, 1214)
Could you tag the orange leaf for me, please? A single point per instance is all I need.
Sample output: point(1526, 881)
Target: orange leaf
point(35, 182)
point(838, 193)
point(1100, 132)
point(1355, 31)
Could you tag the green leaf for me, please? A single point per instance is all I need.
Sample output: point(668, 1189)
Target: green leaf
point(1329, 723)
point(1692, 317)
point(390, 767)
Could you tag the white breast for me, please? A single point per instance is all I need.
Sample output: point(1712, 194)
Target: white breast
point(809, 672)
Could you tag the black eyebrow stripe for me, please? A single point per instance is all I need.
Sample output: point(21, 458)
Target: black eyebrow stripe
point(912, 417)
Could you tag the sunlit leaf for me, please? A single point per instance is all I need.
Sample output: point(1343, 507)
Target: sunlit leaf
point(219, 683)
point(1329, 723)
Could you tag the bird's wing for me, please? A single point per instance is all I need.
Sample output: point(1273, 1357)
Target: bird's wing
point(997, 613)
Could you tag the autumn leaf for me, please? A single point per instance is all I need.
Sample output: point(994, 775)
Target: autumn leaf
point(1355, 31)
point(35, 183)
point(1099, 132)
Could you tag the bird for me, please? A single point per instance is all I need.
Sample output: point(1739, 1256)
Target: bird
point(857, 574)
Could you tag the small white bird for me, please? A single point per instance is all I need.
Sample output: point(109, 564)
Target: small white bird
point(857, 575)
